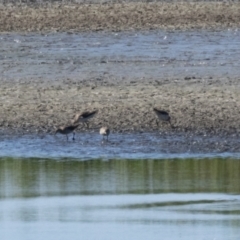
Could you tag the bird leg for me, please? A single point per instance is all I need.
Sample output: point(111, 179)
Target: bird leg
point(73, 136)
point(67, 137)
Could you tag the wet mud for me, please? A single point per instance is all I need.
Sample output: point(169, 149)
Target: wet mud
point(194, 105)
point(118, 16)
point(45, 83)
point(46, 80)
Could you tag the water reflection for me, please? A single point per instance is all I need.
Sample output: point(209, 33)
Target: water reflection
point(130, 199)
point(46, 177)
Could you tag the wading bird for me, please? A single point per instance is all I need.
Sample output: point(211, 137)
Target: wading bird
point(163, 116)
point(104, 131)
point(67, 130)
point(84, 117)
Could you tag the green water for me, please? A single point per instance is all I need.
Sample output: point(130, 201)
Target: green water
point(116, 199)
point(46, 177)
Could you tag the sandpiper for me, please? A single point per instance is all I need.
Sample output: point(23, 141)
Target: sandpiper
point(163, 115)
point(84, 117)
point(104, 131)
point(67, 129)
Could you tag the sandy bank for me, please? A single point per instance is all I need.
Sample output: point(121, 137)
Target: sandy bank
point(117, 17)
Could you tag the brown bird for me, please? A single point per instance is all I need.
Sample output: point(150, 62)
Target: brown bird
point(84, 117)
point(104, 131)
point(67, 130)
point(163, 116)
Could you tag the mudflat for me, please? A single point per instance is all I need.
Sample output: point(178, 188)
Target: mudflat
point(196, 105)
point(118, 16)
point(205, 104)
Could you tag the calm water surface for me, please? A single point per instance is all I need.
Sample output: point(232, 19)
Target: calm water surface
point(119, 199)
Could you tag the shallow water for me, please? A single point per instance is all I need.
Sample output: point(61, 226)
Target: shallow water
point(116, 199)
point(132, 146)
point(121, 55)
point(136, 186)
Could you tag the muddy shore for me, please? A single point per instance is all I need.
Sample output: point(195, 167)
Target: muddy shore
point(118, 17)
point(195, 104)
